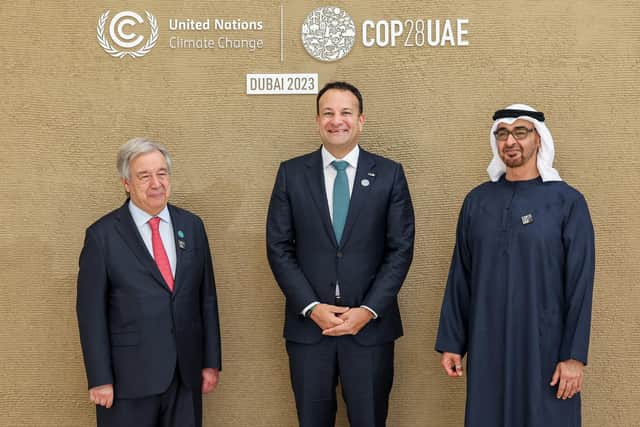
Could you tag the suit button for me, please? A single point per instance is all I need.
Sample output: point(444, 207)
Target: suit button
point(173, 331)
point(339, 254)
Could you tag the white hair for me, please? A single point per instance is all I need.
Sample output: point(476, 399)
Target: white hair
point(135, 147)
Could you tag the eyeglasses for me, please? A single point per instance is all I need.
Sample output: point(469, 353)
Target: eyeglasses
point(518, 133)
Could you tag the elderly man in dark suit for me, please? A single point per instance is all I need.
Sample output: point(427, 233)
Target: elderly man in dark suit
point(146, 303)
point(340, 232)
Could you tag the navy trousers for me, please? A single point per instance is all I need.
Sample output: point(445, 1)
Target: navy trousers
point(365, 374)
point(176, 407)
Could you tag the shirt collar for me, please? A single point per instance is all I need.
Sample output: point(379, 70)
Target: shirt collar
point(351, 157)
point(140, 217)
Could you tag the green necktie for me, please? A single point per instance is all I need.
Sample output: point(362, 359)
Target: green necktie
point(340, 198)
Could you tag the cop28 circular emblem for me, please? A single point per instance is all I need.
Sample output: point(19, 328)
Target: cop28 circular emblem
point(328, 33)
point(122, 33)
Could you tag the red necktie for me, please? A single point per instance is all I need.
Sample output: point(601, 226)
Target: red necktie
point(159, 254)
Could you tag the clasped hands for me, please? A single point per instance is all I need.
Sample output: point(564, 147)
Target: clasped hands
point(335, 321)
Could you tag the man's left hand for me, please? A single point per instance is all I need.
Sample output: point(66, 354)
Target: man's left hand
point(209, 379)
point(354, 320)
point(568, 375)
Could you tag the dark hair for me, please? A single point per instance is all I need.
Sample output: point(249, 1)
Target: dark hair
point(340, 86)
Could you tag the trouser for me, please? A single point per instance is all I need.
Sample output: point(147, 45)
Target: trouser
point(365, 374)
point(176, 407)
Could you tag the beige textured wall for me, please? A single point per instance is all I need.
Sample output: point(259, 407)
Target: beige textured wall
point(66, 107)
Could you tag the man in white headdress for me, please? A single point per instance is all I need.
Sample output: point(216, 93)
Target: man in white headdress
point(518, 296)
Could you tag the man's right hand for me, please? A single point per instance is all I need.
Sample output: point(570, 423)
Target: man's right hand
point(326, 316)
point(452, 364)
point(102, 395)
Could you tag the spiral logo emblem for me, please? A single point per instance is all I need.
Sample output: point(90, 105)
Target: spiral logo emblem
point(122, 27)
point(328, 33)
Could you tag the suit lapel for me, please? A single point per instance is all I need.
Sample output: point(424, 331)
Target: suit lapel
point(129, 233)
point(365, 179)
point(177, 221)
point(315, 183)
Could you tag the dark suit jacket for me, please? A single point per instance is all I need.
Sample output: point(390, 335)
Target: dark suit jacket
point(133, 329)
point(371, 261)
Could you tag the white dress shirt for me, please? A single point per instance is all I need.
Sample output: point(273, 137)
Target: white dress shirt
point(141, 219)
point(330, 172)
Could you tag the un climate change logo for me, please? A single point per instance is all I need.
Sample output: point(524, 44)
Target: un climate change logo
point(122, 35)
point(328, 33)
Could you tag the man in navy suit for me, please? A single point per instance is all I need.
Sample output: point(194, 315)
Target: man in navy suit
point(340, 232)
point(146, 303)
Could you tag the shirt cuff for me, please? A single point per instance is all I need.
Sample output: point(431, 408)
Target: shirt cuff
point(375, 315)
point(307, 308)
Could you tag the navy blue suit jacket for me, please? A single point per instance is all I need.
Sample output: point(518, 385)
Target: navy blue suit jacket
point(370, 262)
point(133, 329)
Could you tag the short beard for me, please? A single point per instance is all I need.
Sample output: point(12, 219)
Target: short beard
point(515, 163)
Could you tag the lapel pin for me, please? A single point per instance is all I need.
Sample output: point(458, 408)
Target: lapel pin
point(527, 219)
point(371, 174)
point(365, 182)
point(182, 244)
point(180, 234)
